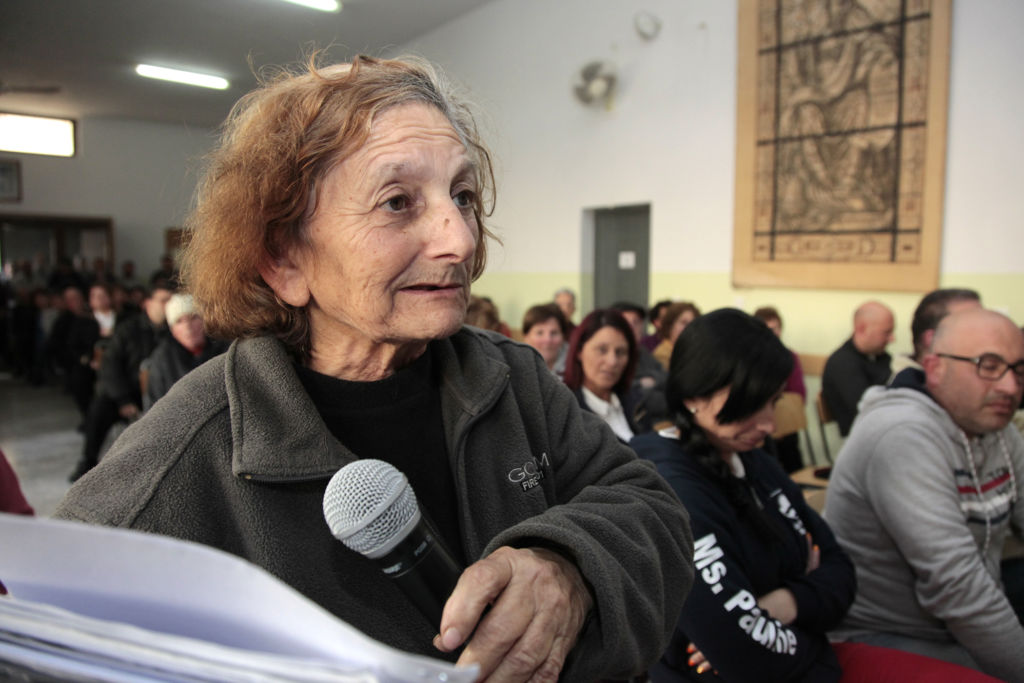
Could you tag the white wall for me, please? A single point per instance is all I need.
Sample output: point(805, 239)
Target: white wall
point(984, 172)
point(670, 138)
point(140, 174)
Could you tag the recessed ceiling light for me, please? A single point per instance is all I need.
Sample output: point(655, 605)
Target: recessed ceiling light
point(322, 5)
point(178, 76)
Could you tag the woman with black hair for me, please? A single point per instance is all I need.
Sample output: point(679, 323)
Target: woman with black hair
point(771, 577)
point(599, 369)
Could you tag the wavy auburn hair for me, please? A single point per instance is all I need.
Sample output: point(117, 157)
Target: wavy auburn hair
point(262, 181)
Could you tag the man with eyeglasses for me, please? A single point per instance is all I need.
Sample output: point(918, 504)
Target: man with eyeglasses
point(925, 491)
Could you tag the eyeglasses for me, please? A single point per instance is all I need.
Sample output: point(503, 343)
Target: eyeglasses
point(990, 365)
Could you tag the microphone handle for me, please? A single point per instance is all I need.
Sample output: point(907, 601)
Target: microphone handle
point(424, 571)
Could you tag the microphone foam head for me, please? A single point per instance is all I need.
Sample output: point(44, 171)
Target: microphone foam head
point(370, 507)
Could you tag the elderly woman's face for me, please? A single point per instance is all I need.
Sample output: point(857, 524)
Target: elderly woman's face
point(393, 239)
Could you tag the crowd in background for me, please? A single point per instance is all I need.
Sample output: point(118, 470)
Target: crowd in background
point(701, 406)
point(616, 359)
point(115, 344)
point(789, 591)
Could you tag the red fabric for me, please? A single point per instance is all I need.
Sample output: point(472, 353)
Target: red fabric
point(11, 497)
point(868, 663)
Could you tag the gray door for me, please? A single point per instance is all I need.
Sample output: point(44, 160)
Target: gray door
point(621, 255)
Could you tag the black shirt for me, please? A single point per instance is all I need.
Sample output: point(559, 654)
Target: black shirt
point(397, 420)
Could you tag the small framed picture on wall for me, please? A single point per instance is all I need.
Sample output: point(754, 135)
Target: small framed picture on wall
point(10, 180)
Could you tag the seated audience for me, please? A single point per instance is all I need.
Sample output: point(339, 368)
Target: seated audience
point(772, 578)
point(859, 363)
point(599, 369)
point(24, 333)
point(70, 306)
point(180, 352)
point(933, 307)
point(88, 335)
point(787, 447)
point(481, 312)
point(347, 314)
point(925, 491)
point(677, 316)
point(128, 278)
point(649, 377)
point(565, 299)
point(544, 329)
point(656, 315)
point(118, 392)
point(167, 272)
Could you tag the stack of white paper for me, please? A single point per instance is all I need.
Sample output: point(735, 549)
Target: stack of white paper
point(96, 603)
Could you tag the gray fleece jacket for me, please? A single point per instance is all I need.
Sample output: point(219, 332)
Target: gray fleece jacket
point(236, 456)
point(905, 505)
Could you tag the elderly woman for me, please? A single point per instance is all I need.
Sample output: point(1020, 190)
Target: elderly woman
point(335, 238)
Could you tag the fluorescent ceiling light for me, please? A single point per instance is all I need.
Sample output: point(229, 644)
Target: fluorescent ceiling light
point(37, 135)
point(322, 5)
point(178, 76)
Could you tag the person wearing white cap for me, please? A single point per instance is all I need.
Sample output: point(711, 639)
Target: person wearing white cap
point(185, 349)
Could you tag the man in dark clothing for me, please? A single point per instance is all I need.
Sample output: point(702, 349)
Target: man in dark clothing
point(859, 363)
point(119, 396)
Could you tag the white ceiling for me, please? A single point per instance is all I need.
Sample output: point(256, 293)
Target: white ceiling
point(89, 48)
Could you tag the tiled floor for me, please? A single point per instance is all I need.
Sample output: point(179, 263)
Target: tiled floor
point(37, 434)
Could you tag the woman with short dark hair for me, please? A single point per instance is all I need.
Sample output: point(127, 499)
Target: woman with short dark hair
point(772, 577)
point(546, 329)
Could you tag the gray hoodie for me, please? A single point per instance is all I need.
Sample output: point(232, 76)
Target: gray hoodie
point(925, 528)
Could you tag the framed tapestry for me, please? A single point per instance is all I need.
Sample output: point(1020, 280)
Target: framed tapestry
point(840, 143)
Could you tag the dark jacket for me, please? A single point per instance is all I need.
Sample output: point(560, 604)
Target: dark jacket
point(236, 456)
point(847, 373)
point(169, 362)
point(736, 563)
point(133, 341)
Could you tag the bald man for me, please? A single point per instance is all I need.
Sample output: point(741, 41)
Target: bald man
point(925, 491)
point(859, 363)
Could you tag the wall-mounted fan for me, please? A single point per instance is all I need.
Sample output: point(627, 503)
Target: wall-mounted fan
point(595, 83)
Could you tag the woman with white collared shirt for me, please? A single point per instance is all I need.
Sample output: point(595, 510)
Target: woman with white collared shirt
point(599, 369)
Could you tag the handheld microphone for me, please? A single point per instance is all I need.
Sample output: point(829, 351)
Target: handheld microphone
point(371, 508)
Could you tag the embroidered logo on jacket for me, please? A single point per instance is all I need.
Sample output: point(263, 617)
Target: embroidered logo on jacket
point(530, 473)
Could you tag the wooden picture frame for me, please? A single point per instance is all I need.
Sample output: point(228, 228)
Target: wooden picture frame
point(10, 180)
point(840, 144)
